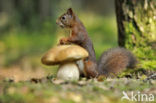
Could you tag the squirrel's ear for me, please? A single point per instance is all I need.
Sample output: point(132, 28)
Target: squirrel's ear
point(70, 11)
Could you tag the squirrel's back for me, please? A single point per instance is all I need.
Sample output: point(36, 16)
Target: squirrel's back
point(115, 60)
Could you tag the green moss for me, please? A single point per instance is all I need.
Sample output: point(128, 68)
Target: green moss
point(148, 64)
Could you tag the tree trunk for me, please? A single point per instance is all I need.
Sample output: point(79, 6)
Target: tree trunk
point(136, 20)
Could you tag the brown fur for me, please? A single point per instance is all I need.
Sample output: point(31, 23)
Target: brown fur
point(90, 69)
point(115, 60)
point(112, 61)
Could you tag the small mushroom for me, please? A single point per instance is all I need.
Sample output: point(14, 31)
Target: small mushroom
point(69, 57)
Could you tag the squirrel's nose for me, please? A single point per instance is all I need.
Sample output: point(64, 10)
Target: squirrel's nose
point(57, 21)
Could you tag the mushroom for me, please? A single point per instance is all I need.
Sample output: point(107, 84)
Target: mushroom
point(70, 60)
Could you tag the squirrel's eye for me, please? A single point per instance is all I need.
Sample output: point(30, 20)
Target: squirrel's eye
point(63, 18)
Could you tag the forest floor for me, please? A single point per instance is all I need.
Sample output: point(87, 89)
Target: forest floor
point(51, 90)
point(20, 61)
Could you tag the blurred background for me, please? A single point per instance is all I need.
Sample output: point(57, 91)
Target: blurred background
point(28, 30)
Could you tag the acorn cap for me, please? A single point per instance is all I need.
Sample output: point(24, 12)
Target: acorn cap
point(64, 53)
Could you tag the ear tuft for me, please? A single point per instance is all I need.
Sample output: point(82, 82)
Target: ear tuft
point(70, 11)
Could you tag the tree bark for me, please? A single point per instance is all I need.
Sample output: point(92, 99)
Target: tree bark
point(136, 21)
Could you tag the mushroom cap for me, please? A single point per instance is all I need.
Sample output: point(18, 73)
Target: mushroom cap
point(64, 53)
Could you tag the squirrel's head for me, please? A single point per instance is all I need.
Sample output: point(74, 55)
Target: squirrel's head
point(66, 20)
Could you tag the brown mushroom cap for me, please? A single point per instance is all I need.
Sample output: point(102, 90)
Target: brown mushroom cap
point(64, 53)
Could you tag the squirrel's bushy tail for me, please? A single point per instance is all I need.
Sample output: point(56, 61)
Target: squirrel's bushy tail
point(115, 60)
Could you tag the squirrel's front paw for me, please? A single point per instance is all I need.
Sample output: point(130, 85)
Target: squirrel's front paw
point(64, 41)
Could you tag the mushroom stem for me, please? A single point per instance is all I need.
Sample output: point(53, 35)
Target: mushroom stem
point(68, 71)
point(80, 64)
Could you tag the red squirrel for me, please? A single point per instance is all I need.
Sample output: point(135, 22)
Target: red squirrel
point(111, 62)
